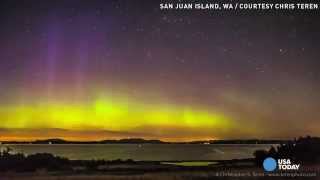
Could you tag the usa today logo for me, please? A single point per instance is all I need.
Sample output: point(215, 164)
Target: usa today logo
point(270, 164)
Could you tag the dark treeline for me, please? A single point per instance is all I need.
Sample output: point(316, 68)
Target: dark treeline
point(21, 163)
point(62, 141)
point(29, 163)
point(144, 141)
point(304, 150)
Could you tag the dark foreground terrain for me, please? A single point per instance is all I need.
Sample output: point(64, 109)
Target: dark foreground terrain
point(305, 151)
point(162, 174)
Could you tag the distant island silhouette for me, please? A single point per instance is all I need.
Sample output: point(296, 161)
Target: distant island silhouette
point(147, 141)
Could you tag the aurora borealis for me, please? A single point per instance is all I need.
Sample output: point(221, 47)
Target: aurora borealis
point(79, 69)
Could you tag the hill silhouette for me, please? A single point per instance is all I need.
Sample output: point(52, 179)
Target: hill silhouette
point(147, 141)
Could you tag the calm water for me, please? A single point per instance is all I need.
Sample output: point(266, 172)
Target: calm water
point(151, 152)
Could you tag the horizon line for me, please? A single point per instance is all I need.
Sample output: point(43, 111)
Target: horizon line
point(146, 139)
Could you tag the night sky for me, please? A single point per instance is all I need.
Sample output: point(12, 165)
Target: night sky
point(80, 69)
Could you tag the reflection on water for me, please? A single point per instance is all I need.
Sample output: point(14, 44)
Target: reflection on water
point(145, 152)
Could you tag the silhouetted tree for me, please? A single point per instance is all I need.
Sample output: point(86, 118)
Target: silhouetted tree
point(303, 150)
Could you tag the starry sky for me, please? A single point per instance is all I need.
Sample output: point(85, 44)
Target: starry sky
point(90, 70)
